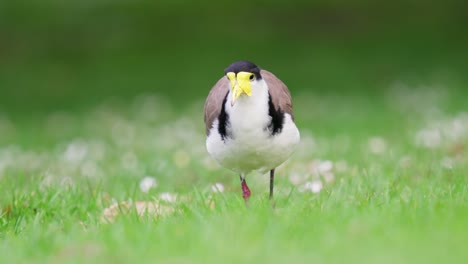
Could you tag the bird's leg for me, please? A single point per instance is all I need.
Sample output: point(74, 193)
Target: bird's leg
point(272, 180)
point(245, 189)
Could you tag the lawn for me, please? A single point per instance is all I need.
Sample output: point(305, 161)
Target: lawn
point(376, 179)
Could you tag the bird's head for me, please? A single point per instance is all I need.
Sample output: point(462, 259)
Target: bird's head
point(242, 74)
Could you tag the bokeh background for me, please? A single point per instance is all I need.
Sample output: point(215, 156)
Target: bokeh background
point(70, 55)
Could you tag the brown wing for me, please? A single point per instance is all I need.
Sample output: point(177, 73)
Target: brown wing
point(279, 92)
point(214, 102)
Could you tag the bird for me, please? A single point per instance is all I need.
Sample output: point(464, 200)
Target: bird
point(249, 122)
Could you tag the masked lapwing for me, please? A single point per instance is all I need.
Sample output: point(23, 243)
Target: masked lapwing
point(249, 122)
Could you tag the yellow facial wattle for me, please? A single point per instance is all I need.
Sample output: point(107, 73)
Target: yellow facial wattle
point(239, 84)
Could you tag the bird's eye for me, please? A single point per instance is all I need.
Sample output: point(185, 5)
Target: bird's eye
point(252, 77)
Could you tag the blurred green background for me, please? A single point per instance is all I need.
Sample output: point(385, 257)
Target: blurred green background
point(66, 55)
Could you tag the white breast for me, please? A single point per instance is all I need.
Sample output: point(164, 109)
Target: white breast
point(250, 145)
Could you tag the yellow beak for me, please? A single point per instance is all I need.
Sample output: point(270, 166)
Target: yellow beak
point(239, 85)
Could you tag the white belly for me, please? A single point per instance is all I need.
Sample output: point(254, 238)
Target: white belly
point(253, 148)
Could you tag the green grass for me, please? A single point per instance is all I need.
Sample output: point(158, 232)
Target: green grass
point(396, 202)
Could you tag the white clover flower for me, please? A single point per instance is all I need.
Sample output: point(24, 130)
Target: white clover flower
point(324, 166)
point(217, 187)
point(168, 197)
point(148, 183)
point(312, 186)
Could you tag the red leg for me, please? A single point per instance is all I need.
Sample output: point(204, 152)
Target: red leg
point(245, 189)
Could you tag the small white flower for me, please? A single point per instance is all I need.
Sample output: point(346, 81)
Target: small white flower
point(312, 186)
point(324, 166)
point(168, 197)
point(147, 183)
point(217, 187)
point(318, 167)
